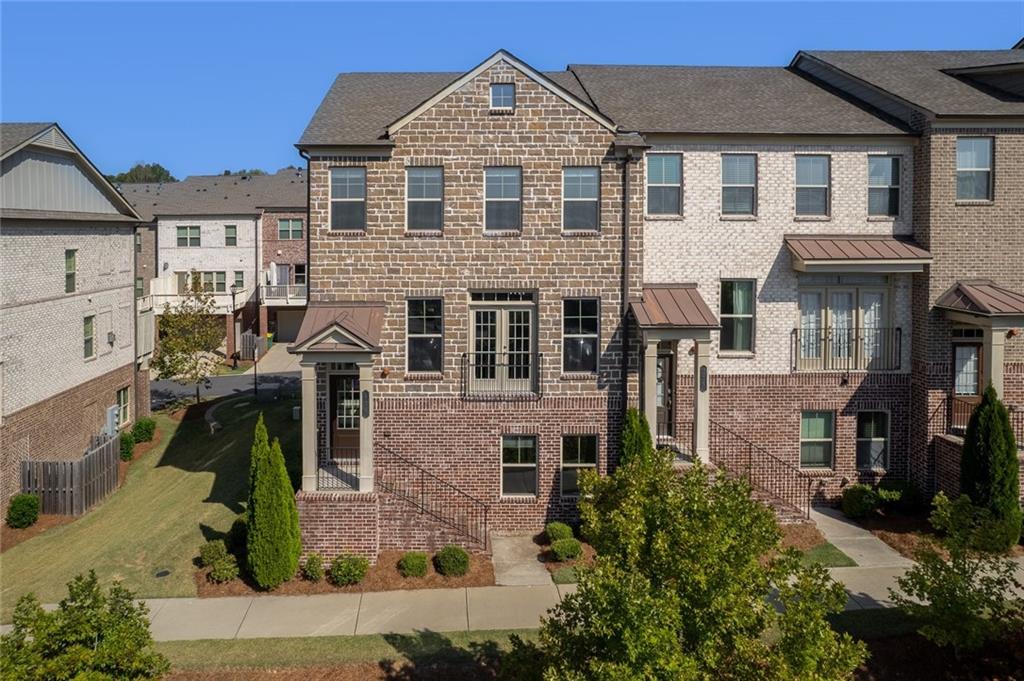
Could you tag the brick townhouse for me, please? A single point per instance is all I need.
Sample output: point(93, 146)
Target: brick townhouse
point(72, 354)
point(502, 260)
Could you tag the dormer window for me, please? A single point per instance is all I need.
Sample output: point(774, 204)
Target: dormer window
point(503, 96)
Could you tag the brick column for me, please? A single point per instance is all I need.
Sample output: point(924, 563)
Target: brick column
point(992, 356)
point(229, 333)
point(701, 400)
point(366, 427)
point(308, 425)
point(263, 321)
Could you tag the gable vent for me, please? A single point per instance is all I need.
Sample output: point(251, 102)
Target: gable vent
point(53, 139)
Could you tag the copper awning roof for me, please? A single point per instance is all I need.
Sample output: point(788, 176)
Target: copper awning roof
point(823, 253)
point(982, 297)
point(359, 325)
point(672, 306)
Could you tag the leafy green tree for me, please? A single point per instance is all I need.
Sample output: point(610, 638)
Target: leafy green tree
point(190, 333)
point(273, 542)
point(963, 596)
point(681, 586)
point(636, 436)
point(990, 470)
point(143, 172)
point(89, 636)
point(245, 171)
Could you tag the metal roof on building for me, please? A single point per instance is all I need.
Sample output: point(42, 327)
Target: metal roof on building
point(672, 306)
point(982, 297)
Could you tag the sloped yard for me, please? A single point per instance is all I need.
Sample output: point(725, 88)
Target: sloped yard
point(187, 489)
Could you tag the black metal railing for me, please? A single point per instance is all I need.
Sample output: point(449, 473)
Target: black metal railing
point(501, 375)
point(339, 470)
point(763, 470)
point(866, 349)
point(959, 410)
point(442, 501)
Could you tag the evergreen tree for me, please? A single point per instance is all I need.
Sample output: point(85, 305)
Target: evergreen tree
point(989, 469)
point(273, 541)
point(636, 436)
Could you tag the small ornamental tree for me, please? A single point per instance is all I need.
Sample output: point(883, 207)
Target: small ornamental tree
point(273, 540)
point(636, 436)
point(190, 333)
point(989, 470)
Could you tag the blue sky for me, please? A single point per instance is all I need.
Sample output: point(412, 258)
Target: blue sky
point(204, 87)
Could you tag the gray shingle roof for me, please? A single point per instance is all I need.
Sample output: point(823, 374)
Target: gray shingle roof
point(218, 194)
point(13, 134)
point(919, 78)
point(724, 99)
point(359, 106)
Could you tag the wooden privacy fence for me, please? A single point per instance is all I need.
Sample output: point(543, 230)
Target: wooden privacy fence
point(73, 487)
point(248, 342)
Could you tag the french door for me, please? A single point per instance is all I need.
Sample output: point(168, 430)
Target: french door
point(502, 349)
point(843, 328)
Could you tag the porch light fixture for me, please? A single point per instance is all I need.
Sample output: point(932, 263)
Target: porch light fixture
point(111, 337)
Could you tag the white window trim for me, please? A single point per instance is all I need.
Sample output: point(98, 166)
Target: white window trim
point(827, 187)
point(752, 316)
point(332, 200)
point(92, 354)
point(517, 200)
point(990, 194)
point(409, 335)
point(239, 282)
point(648, 184)
point(596, 201)
point(440, 200)
point(235, 237)
point(832, 459)
point(562, 465)
point(597, 336)
point(721, 192)
point(535, 465)
point(123, 410)
point(887, 439)
point(73, 272)
point(291, 229)
point(188, 236)
point(897, 186)
point(503, 108)
point(340, 403)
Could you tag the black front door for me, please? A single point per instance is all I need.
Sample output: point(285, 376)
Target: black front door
point(665, 391)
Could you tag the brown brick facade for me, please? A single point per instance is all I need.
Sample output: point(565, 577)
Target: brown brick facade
point(282, 251)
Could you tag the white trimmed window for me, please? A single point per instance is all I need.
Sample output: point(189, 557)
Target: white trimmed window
point(884, 185)
point(70, 270)
point(872, 440)
point(739, 184)
point(580, 324)
point(289, 229)
point(812, 185)
point(188, 236)
point(424, 334)
point(503, 96)
point(581, 195)
point(579, 452)
point(215, 282)
point(974, 168)
point(503, 198)
point(817, 438)
point(123, 410)
point(519, 465)
point(424, 198)
point(348, 199)
point(139, 287)
point(230, 235)
point(89, 337)
point(664, 184)
point(239, 280)
point(737, 315)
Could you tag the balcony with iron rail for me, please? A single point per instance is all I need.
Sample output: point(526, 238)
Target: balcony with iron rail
point(283, 294)
point(862, 349)
point(958, 412)
point(501, 376)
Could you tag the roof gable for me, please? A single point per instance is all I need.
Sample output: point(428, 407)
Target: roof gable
point(522, 67)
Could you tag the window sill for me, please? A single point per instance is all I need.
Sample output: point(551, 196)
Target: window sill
point(502, 233)
point(578, 376)
point(423, 376)
point(812, 218)
point(883, 218)
point(518, 499)
point(872, 471)
point(502, 111)
point(974, 202)
point(738, 218)
point(424, 233)
point(736, 354)
point(818, 472)
point(664, 216)
point(347, 232)
point(581, 232)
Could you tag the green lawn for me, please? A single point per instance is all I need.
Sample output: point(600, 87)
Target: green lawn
point(183, 491)
point(827, 555)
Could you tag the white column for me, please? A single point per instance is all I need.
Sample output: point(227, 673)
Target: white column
point(308, 426)
point(701, 400)
point(995, 344)
point(366, 427)
point(650, 387)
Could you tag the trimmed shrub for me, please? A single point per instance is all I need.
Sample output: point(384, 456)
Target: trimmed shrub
point(413, 564)
point(237, 536)
point(348, 569)
point(224, 569)
point(143, 429)
point(859, 500)
point(23, 511)
point(452, 561)
point(566, 549)
point(273, 543)
point(556, 531)
point(211, 552)
point(127, 445)
point(313, 568)
point(989, 470)
point(636, 436)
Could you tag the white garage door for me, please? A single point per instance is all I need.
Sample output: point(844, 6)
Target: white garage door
point(288, 323)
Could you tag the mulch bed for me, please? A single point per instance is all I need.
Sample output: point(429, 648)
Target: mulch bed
point(366, 671)
point(913, 658)
point(383, 576)
point(801, 536)
point(908, 532)
point(10, 537)
point(552, 565)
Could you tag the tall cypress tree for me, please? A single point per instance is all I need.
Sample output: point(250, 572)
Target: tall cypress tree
point(989, 468)
point(636, 436)
point(273, 540)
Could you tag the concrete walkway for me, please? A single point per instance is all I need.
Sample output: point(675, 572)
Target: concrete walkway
point(516, 562)
point(867, 550)
point(277, 360)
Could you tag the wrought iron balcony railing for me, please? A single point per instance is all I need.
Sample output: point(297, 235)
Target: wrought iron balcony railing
point(501, 375)
point(864, 349)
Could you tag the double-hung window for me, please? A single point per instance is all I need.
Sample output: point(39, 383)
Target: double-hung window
point(215, 282)
point(503, 96)
point(289, 229)
point(188, 236)
point(884, 185)
point(503, 196)
point(817, 438)
point(737, 314)
point(89, 337)
point(664, 184)
point(348, 198)
point(424, 334)
point(70, 270)
point(239, 280)
point(300, 275)
point(138, 242)
point(139, 287)
point(872, 440)
point(230, 235)
point(580, 322)
point(974, 168)
point(519, 465)
point(579, 452)
point(812, 185)
point(123, 412)
point(739, 184)
point(424, 198)
point(581, 195)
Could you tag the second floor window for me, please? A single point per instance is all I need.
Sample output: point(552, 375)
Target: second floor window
point(579, 334)
point(230, 235)
point(188, 236)
point(812, 185)
point(89, 337)
point(140, 287)
point(503, 189)
point(215, 281)
point(503, 95)
point(424, 334)
point(739, 184)
point(580, 198)
point(884, 185)
point(737, 308)
point(138, 242)
point(424, 192)
point(300, 275)
point(974, 168)
point(289, 229)
point(664, 184)
point(348, 198)
point(239, 280)
point(70, 270)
